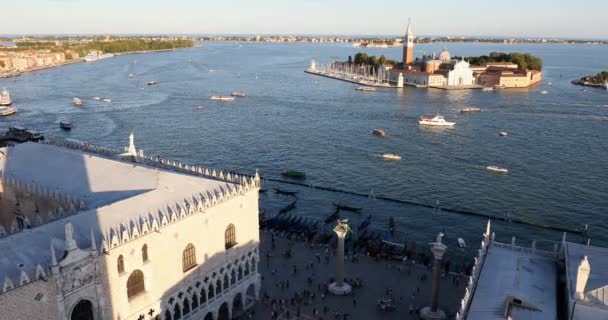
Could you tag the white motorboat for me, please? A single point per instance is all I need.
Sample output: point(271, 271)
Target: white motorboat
point(435, 121)
point(77, 101)
point(470, 109)
point(7, 111)
point(487, 89)
point(503, 133)
point(107, 100)
point(238, 94)
point(200, 108)
point(365, 89)
point(96, 98)
point(390, 156)
point(461, 243)
point(151, 83)
point(96, 55)
point(5, 98)
point(497, 169)
point(222, 98)
point(544, 92)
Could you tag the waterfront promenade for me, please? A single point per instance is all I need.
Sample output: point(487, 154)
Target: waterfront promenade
point(295, 275)
point(351, 78)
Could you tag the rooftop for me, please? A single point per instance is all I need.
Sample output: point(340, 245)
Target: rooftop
point(596, 291)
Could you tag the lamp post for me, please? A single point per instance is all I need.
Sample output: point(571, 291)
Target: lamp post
point(433, 312)
point(339, 287)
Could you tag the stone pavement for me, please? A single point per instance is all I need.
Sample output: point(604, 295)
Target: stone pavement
point(310, 268)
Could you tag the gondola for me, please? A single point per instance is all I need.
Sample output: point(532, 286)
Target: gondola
point(281, 191)
point(347, 208)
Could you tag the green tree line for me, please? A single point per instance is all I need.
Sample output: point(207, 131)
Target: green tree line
point(363, 58)
point(121, 46)
point(601, 77)
point(523, 60)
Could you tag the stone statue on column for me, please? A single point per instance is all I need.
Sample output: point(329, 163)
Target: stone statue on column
point(339, 287)
point(433, 312)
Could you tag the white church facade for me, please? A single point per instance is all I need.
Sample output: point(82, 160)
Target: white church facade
point(91, 237)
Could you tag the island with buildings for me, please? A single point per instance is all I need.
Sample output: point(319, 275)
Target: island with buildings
point(600, 80)
point(495, 71)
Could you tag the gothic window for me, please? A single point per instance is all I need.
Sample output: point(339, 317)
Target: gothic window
point(240, 273)
point(218, 287)
point(203, 296)
point(167, 315)
point(232, 277)
point(186, 306)
point(82, 311)
point(211, 291)
point(188, 258)
point(194, 301)
point(121, 264)
point(144, 253)
point(226, 283)
point(246, 268)
point(230, 235)
point(135, 284)
point(177, 314)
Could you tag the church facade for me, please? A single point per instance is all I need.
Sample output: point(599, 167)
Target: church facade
point(151, 239)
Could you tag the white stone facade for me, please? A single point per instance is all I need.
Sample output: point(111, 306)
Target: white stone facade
point(460, 74)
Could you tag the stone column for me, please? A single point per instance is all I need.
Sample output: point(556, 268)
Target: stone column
point(339, 287)
point(433, 312)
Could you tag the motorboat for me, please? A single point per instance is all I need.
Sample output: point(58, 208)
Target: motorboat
point(435, 121)
point(503, 133)
point(151, 83)
point(487, 89)
point(200, 108)
point(470, 109)
point(368, 89)
point(5, 98)
point(107, 100)
point(379, 132)
point(497, 169)
point(544, 92)
point(550, 83)
point(7, 111)
point(390, 156)
point(295, 174)
point(222, 98)
point(96, 55)
point(238, 94)
point(65, 125)
point(96, 98)
point(77, 101)
point(461, 243)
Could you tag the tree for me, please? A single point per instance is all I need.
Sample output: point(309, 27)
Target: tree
point(382, 60)
point(361, 58)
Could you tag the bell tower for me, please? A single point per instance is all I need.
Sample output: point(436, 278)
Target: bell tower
point(408, 45)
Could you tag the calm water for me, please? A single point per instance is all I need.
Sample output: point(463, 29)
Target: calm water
point(556, 149)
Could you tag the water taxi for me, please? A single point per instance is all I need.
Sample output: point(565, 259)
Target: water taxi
point(200, 108)
point(544, 92)
point(96, 98)
point(497, 169)
point(5, 98)
point(238, 94)
point(503, 133)
point(107, 100)
point(390, 156)
point(151, 83)
point(77, 101)
point(65, 125)
point(379, 132)
point(435, 121)
point(470, 110)
point(7, 111)
point(295, 174)
point(222, 98)
point(365, 89)
point(487, 89)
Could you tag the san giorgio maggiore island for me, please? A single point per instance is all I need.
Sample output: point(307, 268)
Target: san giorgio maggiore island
point(498, 71)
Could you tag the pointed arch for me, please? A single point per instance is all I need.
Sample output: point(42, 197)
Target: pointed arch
point(177, 312)
point(186, 308)
point(144, 253)
point(218, 287)
point(226, 284)
point(120, 264)
point(194, 301)
point(211, 292)
point(203, 296)
point(232, 277)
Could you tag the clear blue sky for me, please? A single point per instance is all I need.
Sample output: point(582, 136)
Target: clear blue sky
point(517, 18)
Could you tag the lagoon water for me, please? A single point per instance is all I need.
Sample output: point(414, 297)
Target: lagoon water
point(556, 150)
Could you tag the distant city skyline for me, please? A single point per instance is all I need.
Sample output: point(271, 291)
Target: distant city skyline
point(518, 18)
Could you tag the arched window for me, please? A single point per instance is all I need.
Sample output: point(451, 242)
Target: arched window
point(218, 287)
point(226, 283)
point(121, 264)
point(135, 284)
point(144, 253)
point(194, 301)
point(240, 273)
point(232, 277)
point(186, 306)
point(211, 291)
point(188, 258)
point(177, 314)
point(82, 311)
point(203, 296)
point(167, 315)
point(230, 235)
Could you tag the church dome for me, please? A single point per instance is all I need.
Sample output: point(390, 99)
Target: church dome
point(445, 55)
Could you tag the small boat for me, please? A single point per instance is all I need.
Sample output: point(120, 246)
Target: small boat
point(550, 83)
point(470, 109)
point(390, 156)
point(222, 98)
point(487, 89)
point(379, 132)
point(7, 111)
point(151, 83)
point(503, 133)
point(368, 89)
point(435, 121)
point(65, 125)
point(107, 100)
point(285, 192)
point(461, 243)
point(131, 75)
point(77, 102)
point(497, 169)
point(5, 98)
point(294, 174)
point(238, 94)
point(347, 208)
point(544, 92)
point(96, 98)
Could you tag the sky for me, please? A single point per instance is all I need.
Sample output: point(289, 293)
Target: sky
point(514, 18)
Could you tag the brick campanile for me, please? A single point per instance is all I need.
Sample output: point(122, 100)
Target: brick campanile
point(408, 46)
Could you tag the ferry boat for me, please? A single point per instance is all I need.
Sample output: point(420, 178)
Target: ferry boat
point(379, 132)
point(470, 110)
point(222, 98)
point(390, 156)
point(5, 98)
point(435, 121)
point(7, 111)
point(238, 94)
point(65, 125)
point(93, 56)
point(151, 83)
point(107, 100)
point(365, 89)
point(77, 101)
point(497, 169)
